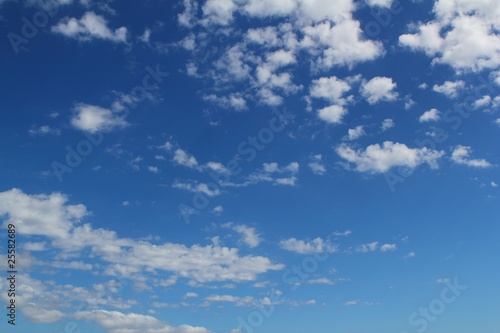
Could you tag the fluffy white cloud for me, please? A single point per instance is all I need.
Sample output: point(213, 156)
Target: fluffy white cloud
point(332, 114)
point(355, 133)
point(339, 44)
point(265, 8)
point(449, 88)
point(378, 89)
point(380, 159)
point(380, 3)
point(331, 89)
point(93, 119)
point(430, 115)
point(44, 130)
point(461, 155)
point(317, 245)
point(462, 35)
point(89, 27)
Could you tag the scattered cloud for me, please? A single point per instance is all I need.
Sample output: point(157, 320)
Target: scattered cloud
point(379, 89)
point(355, 133)
point(449, 88)
point(381, 158)
point(316, 245)
point(430, 115)
point(316, 165)
point(90, 26)
point(461, 155)
point(91, 118)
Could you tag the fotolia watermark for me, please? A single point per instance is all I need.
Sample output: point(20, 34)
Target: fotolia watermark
point(248, 149)
point(76, 154)
point(420, 319)
point(455, 117)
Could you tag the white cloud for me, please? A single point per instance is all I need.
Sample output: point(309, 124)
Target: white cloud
point(316, 165)
point(249, 236)
point(493, 184)
point(339, 44)
point(368, 247)
point(332, 114)
point(197, 188)
point(90, 26)
point(183, 158)
point(449, 88)
point(430, 115)
point(218, 210)
point(271, 173)
point(355, 133)
point(265, 8)
point(380, 3)
point(379, 89)
point(316, 245)
point(387, 124)
point(461, 156)
point(93, 119)
point(191, 295)
point(388, 247)
point(218, 12)
point(462, 35)
point(320, 281)
point(50, 216)
point(331, 89)
point(118, 322)
point(379, 159)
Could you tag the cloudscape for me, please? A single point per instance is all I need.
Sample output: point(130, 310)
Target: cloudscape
point(241, 166)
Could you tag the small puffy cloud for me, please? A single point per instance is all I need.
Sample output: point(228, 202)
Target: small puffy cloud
point(355, 133)
point(381, 158)
point(316, 165)
point(94, 119)
point(493, 184)
point(183, 158)
point(190, 295)
point(387, 124)
point(461, 156)
point(320, 281)
point(90, 26)
point(449, 88)
point(430, 115)
point(482, 102)
point(218, 210)
point(388, 247)
point(379, 89)
point(332, 114)
point(316, 245)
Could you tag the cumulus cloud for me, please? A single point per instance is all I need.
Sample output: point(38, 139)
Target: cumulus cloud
point(430, 115)
point(332, 114)
point(90, 26)
point(94, 119)
point(463, 35)
point(387, 124)
point(449, 88)
point(379, 89)
point(461, 155)
point(381, 158)
point(183, 158)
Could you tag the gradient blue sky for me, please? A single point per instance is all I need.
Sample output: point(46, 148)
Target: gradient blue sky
point(236, 166)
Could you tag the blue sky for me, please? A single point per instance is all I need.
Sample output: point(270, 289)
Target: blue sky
point(238, 166)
